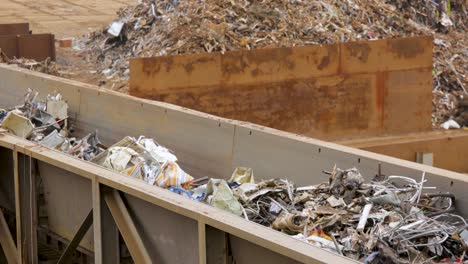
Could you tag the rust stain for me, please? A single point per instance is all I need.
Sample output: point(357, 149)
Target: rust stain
point(406, 47)
point(255, 72)
point(381, 80)
point(150, 66)
point(190, 66)
point(238, 62)
point(324, 63)
point(359, 50)
point(322, 107)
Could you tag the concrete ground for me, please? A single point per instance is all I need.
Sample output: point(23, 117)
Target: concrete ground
point(64, 18)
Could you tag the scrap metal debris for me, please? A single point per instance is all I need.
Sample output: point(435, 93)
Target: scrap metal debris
point(46, 122)
point(143, 159)
point(395, 219)
point(168, 27)
point(46, 66)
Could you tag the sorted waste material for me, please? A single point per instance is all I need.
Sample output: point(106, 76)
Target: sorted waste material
point(168, 27)
point(144, 159)
point(46, 66)
point(391, 219)
point(46, 122)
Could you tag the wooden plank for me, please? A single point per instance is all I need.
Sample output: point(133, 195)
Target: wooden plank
point(126, 227)
point(449, 148)
point(14, 29)
point(7, 242)
point(311, 90)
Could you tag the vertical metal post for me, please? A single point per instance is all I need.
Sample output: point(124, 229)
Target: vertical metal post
point(106, 234)
point(201, 242)
point(26, 207)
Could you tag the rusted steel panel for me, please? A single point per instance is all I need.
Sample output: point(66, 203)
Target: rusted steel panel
point(9, 45)
point(234, 68)
point(331, 91)
point(386, 55)
point(14, 29)
point(407, 100)
point(36, 46)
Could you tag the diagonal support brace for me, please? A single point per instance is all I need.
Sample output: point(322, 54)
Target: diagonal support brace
point(126, 227)
point(64, 258)
point(7, 242)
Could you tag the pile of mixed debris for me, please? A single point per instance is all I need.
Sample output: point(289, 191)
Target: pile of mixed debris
point(168, 27)
point(46, 122)
point(391, 219)
point(46, 66)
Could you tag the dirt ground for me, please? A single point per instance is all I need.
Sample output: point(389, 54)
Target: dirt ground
point(64, 18)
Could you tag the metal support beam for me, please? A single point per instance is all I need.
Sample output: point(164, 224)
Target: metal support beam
point(425, 158)
point(201, 243)
point(127, 227)
point(26, 207)
point(106, 234)
point(77, 238)
point(7, 242)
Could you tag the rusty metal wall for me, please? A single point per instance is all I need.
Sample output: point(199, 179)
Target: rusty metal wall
point(347, 90)
point(31, 46)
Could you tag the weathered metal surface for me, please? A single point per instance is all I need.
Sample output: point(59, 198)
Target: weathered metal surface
point(7, 189)
point(352, 89)
point(14, 29)
point(207, 146)
point(31, 46)
point(68, 200)
point(449, 148)
point(164, 232)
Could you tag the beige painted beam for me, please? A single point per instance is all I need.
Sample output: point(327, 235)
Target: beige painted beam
point(7, 242)
point(127, 228)
point(201, 243)
point(19, 246)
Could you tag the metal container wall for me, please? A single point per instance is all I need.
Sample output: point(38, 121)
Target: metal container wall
point(172, 228)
